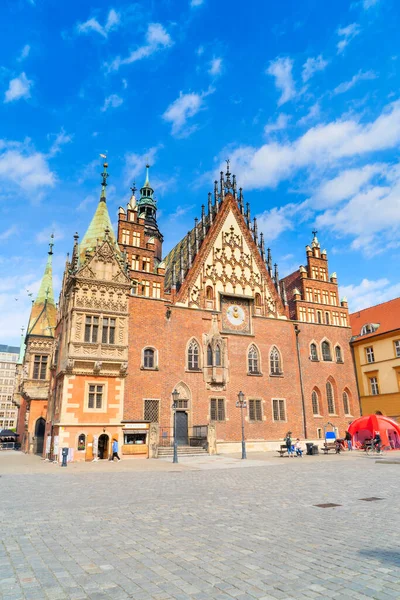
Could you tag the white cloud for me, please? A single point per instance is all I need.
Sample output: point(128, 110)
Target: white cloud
point(280, 123)
point(20, 87)
point(347, 85)
point(200, 50)
point(369, 4)
point(347, 34)
point(157, 38)
point(194, 3)
point(369, 293)
point(24, 53)
point(281, 69)
point(113, 20)
point(183, 108)
point(275, 221)
point(23, 167)
point(313, 113)
point(61, 139)
point(215, 66)
point(112, 101)
point(346, 184)
point(135, 164)
point(124, 84)
point(4, 235)
point(312, 66)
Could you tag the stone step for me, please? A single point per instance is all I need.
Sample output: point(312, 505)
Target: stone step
point(182, 451)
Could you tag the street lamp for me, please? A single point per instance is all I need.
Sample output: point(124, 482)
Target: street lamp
point(241, 403)
point(175, 397)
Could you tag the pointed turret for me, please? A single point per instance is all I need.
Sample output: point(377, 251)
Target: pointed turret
point(147, 205)
point(43, 314)
point(101, 223)
point(22, 347)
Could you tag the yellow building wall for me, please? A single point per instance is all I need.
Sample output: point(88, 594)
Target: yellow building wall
point(386, 367)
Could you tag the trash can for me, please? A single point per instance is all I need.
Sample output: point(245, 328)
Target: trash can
point(310, 447)
point(315, 449)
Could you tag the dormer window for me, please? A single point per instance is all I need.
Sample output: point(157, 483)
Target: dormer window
point(369, 328)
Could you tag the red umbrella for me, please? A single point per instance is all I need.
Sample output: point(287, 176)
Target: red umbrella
point(374, 423)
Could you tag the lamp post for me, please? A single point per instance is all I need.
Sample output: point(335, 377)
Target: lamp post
point(241, 403)
point(175, 397)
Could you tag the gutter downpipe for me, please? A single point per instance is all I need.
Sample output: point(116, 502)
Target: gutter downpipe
point(303, 405)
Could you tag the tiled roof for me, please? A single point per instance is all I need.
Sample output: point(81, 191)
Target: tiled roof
point(43, 314)
point(96, 231)
point(386, 315)
point(175, 253)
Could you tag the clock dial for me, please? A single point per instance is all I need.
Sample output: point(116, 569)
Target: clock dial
point(235, 315)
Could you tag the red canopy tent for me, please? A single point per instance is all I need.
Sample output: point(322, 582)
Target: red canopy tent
point(365, 427)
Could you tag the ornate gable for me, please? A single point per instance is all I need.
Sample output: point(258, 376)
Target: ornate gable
point(104, 265)
point(229, 262)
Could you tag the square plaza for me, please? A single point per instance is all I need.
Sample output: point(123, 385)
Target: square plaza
point(207, 528)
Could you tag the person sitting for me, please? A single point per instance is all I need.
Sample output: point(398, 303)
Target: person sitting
point(338, 446)
point(298, 449)
point(377, 441)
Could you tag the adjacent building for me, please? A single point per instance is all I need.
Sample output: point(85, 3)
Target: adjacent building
point(376, 347)
point(8, 410)
point(137, 330)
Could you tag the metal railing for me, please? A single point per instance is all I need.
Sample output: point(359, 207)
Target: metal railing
point(196, 436)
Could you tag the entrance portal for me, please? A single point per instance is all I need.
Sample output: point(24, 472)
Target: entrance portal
point(103, 446)
point(39, 435)
point(182, 438)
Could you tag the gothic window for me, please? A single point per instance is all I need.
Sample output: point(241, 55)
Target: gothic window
point(218, 355)
point(193, 356)
point(253, 360)
point(82, 442)
point(209, 293)
point(275, 362)
point(319, 316)
point(327, 318)
point(315, 403)
point(326, 351)
point(257, 299)
point(313, 352)
point(279, 410)
point(40, 367)
point(91, 329)
point(209, 356)
point(338, 354)
point(149, 358)
point(217, 409)
point(151, 411)
point(255, 410)
point(95, 398)
point(135, 287)
point(330, 398)
point(108, 334)
point(346, 404)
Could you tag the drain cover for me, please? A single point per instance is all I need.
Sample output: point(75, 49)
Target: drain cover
point(372, 499)
point(327, 505)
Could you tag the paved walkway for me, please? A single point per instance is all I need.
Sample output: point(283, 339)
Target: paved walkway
point(200, 530)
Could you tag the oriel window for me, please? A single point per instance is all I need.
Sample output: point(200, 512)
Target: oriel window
point(40, 367)
point(108, 334)
point(91, 329)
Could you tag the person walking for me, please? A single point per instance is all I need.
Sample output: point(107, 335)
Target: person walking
point(347, 437)
point(115, 450)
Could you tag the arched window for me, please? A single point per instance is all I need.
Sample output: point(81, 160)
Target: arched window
point(346, 404)
point(327, 318)
point(209, 356)
point(275, 362)
point(326, 351)
point(257, 303)
point(330, 398)
point(209, 293)
point(313, 352)
point(217, 356)
point(253, 360)
point(315, 403)
point(193, 356)
point(149, 358)
point(319, 316)
point(338, 354)
point(82, 442)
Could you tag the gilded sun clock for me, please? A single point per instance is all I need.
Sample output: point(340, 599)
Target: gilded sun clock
point(235, 315)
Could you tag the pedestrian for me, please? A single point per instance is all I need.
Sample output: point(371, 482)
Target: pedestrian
point(115, 450)
point(348, 438)
point(288, 442)
point(298, 448)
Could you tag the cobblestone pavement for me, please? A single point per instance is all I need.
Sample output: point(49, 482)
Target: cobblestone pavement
point(201, 534)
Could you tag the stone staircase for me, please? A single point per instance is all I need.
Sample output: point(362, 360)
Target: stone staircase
point(166, 451)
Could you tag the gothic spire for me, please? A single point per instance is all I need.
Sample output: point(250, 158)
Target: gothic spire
point(269, 261)
point(42, 320)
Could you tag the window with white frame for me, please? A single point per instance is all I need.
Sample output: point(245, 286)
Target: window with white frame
point(322, 273)
point(309, 294)
point(91, 329)
point(333, 298)
point(156, 290)
point(146, 264)
point(338, 354)
point(135, 262)
point(125, 237)
point(325, 297)
point(311, 315)
point(146, 288)
point(193, 356)
point(317, 296)
point(326, 351)
point(95, 396)
point(278, 409)
point(275, 362)
point(397, 348)
point(370, 354)
point(313, 352)
point(253, 360)
point(373, 381)
point(136, 239)
point(302, 314)
point(343, 318)
point(108, 332)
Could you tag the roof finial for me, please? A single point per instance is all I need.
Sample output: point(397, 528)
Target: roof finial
point(147, 182)
point(133, 188)
point(104, 182)
point(314, 232)
point(51, 244)
point(228, 183)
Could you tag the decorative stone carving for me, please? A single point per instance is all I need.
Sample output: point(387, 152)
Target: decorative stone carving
point(78, 326)
point(123, 370)
point(97, 367)
point(69, 366)
point(153, 440)
point(212, 439)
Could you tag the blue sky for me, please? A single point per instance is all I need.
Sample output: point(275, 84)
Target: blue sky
point(301, 95)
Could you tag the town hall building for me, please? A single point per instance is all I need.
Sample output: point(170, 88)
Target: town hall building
point(142, 339)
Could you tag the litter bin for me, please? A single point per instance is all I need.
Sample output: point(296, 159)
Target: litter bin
point(315, 449)
point(310, 447)
point(64, 454)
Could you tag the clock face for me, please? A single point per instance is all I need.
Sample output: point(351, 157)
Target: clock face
point(235, 315)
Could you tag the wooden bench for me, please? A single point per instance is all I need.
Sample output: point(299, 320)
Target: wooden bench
point(329, 446)
point(283, 450)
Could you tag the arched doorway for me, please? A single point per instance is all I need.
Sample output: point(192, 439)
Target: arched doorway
point(39, 435)
point(102, 448)
point(182, 414)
